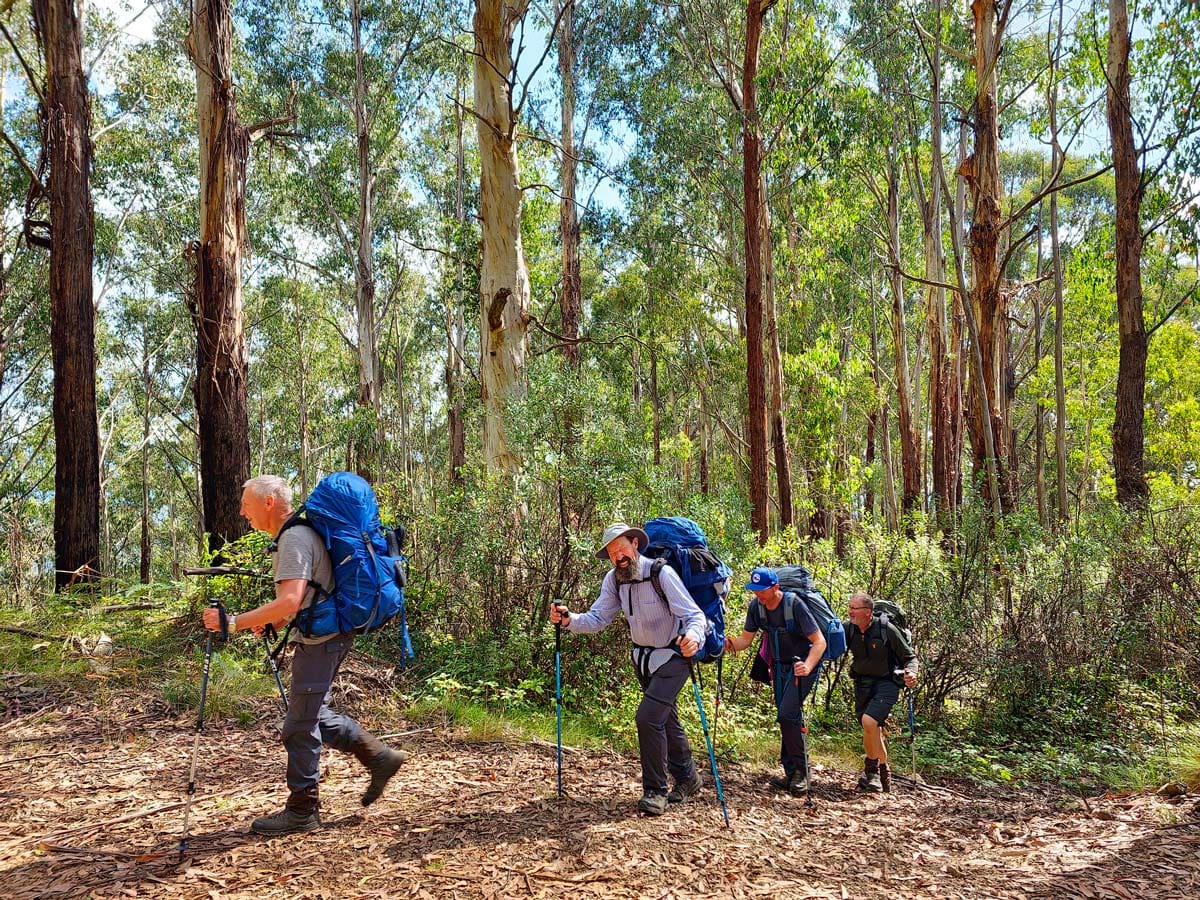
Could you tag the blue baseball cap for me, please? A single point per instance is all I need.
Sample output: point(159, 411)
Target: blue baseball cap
point(762, 579)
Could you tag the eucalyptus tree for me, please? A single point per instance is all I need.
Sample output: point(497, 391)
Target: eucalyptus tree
point(1163, 113)
point(69, 236)
point(217, 305)
point(503, 275)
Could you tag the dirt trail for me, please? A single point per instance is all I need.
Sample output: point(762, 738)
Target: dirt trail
point(91, 806)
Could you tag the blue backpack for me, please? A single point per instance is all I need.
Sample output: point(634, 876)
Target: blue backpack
point(368, 567)
point(799, 581)
point(680, 543)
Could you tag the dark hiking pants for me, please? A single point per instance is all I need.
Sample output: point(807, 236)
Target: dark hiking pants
point(661, 742)
point(789, 706)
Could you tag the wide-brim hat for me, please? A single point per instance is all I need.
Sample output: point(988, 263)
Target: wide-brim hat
point(620, 530)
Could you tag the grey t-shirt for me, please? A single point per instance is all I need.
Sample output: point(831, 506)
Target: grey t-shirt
point(300, 553)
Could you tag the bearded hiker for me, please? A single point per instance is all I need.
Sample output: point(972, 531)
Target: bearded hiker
point(664, 636)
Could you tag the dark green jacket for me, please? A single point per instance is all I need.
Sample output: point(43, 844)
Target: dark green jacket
point(878, 655)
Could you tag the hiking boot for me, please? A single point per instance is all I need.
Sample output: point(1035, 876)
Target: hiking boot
point(653, 804)
point(870, 782)
point(794, 784)
point(885, 777)
point(286, 821)
point(688, 787)
point(382, 768)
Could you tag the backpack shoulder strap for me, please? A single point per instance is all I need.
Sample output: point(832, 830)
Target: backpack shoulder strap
point(760, 615)
point(790, 599)
point(656, 568)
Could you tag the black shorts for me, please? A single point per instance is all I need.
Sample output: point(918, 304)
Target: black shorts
point(875, 697)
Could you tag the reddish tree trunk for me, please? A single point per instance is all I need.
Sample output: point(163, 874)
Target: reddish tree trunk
point(987, 296)
point(72, 315)
point(753, 204)
point(1129, 423)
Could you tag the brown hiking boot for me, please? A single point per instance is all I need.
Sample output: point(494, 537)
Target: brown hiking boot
point(380, 760)
point(885, 777)
point(382, 768)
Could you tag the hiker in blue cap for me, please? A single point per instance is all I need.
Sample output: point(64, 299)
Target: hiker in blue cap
point(302, 567)
point(664, 635)
point(793, 653)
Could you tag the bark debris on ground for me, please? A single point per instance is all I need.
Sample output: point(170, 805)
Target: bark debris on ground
point(91, 805)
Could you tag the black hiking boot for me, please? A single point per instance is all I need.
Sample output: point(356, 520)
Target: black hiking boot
point(685, 789)
point(382, 768)
point(300, 814)
point(285, 822)
point(794, 784)
point(381, 761)
point(653, 804)
point(885, 777)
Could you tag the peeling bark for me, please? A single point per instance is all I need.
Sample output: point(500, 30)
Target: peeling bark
point(68, 148)
point(217, 309)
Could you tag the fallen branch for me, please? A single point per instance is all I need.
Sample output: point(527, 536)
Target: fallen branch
point(117, 821)
point(538, 742)
point(398, 734)
point(89, 851)
point(932, 788)
point(13, 629)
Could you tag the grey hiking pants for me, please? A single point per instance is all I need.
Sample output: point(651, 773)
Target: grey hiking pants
point(310, 722)
point(662, 744)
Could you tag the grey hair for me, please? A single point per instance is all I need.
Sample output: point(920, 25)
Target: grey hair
point(264, 486)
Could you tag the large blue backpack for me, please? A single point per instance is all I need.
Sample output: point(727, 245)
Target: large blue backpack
point(368, 567)
point(799, 581)
point(680, 543)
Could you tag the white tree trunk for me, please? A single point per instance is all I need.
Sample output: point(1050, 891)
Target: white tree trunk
point(503, 277)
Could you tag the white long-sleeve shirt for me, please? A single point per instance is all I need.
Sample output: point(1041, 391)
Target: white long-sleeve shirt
point(653, 624)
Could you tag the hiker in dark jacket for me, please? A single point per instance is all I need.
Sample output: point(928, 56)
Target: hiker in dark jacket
point(300, 561)
point(879, 653)
point(658, 631)
point(794, 662)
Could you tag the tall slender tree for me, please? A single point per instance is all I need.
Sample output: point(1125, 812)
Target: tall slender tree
point(503, 277)
point(217, 308)
point(1129, 423)
point(67, 148)
point(754, 208)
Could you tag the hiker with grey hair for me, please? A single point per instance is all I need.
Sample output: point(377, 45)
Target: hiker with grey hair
point(665, 636)
point(302, 568)
point(883, 660)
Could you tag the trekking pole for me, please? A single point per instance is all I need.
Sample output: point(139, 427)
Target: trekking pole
point(912, 731)
point(712, 757)
point(268, 635)
point(558, 695)
point(912, 724)
point(808, 801)
point(191, 788)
